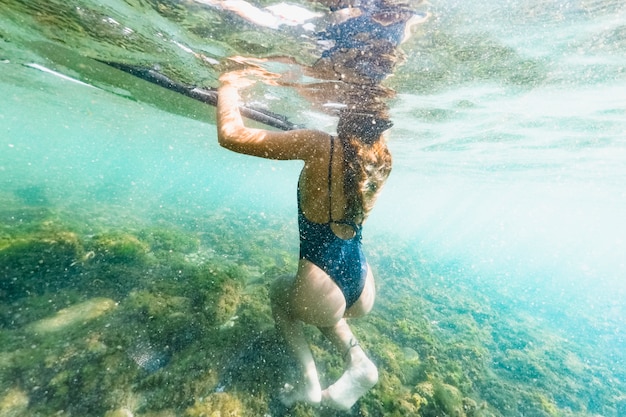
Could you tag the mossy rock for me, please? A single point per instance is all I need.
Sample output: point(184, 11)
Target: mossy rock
point(391, 398)
point(160, 319)
point(71, 317)
point(156, 305)
point(215, 293)
point(118, 247)
point(37, 263)
point(449, 400)
point(169, 240)
point(221, 305)
point(13, 403)
point(522, 365)
point(440, 399)
point(548, 406)
point(120, 412)
point(220, 404)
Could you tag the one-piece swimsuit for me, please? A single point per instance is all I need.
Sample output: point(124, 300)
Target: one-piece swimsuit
point(342, 259)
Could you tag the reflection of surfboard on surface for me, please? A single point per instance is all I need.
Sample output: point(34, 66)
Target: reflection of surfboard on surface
point(205, 95)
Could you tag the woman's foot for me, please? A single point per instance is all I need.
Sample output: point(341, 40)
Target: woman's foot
point(308, 390)
point(359, 377)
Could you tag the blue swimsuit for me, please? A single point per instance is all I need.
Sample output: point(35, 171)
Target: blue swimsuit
point(342, 259)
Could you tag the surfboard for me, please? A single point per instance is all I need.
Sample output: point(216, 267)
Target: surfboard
point(205, 95)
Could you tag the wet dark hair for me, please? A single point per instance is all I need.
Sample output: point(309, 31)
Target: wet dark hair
point(367, 160)
point(367, 127)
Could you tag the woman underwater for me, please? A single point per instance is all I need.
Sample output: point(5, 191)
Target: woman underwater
point(338, 185)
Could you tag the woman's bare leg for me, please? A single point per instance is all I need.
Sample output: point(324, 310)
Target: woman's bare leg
point(308, 389)
point(312, 297)
point(360, 374)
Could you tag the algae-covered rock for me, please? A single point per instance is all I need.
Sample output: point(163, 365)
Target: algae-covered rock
point(440, 398)
point(119, 247)
point(426, 389)
point(449, 399)
point(120, 412)
point(13, 403)
point(220, 404)
point(38, 262)
point(74, 315)
point(215, 293)
point(471, 407)
point(157, 320)
point(391, 398)
point(162, 239)
point(220, 306)
point(154, 305)
point(548, 406)
point(522, 365)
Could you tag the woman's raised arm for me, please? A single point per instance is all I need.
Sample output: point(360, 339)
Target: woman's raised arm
point(234, 135)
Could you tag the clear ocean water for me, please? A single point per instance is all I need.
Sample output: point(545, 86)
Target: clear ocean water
point(498, 243)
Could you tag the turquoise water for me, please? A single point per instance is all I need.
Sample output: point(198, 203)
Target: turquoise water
point(498, 242)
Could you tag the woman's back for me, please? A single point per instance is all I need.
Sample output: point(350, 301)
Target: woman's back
point(327, 193)
point(321, 188)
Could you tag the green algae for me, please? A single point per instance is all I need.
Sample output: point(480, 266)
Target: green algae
point(169, 240)
point(38, 260)
point(118, 247)
point(13, 403)
point(159, 320)
point(217, 404)
point(71, 316)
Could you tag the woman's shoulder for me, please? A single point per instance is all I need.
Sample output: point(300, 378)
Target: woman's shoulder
point(314, 144)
